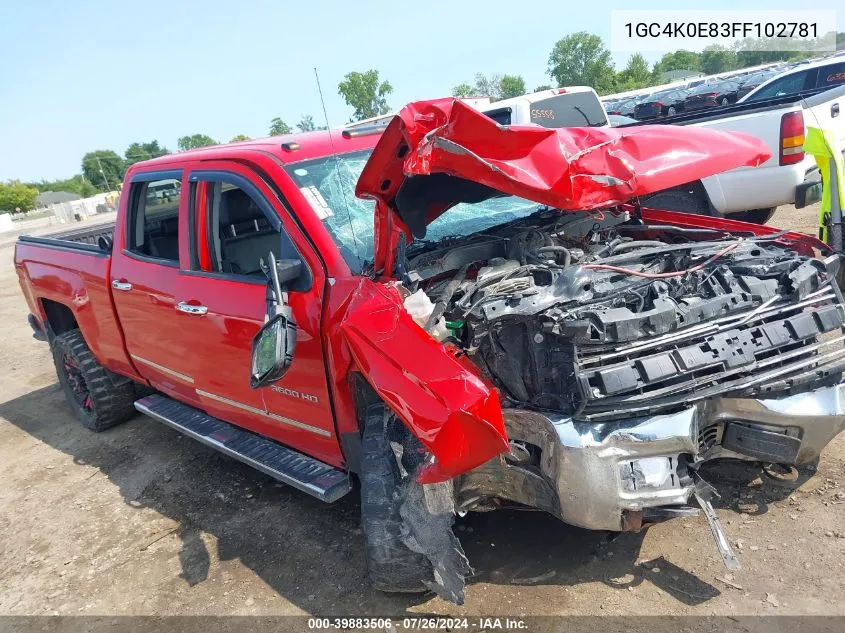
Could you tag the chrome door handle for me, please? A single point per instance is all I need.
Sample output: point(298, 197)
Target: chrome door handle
point(188, 308)
point(121, 285)
point(834, 110)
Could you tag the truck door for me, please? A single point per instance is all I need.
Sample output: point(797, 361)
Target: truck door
point(236, 220)
point(827, 108)
point(145, 279)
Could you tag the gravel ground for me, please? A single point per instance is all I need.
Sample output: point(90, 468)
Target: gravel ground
point(139, 520)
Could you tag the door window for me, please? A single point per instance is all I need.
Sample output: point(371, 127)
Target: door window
point(784, 86)
point(831, 76)
point(240, 235)
point(154, 219)
point(235, 233)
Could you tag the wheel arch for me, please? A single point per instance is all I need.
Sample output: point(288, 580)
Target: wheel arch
point(59, 317)
point(696, 188)
point(363, 397)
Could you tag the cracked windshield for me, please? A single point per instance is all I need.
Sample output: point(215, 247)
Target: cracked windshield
point(329, 186)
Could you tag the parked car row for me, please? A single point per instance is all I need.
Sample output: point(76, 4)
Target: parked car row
point(663, 103)
point(672, 101)
point(709, 92)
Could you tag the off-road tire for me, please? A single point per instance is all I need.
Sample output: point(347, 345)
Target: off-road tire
point(95, 399)
point(393, 567)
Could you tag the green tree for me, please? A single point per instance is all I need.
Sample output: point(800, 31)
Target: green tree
point(103, 168)
point(240, 137)
point(582, 59)
point(279, 127)
point(137, 152)
point(16, 195)
point(717, 59)
point(753, 52)
point(463, 90)
point(511, 86)
point(678, 60)
point(635, 75)
point(495, 86)
point(365, 94)
point(194, 141)
point(542, 87)
point(76, 184)
point(306, 124)
point(488, 86)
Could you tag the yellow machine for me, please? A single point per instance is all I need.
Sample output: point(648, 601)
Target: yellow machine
point(824, 146)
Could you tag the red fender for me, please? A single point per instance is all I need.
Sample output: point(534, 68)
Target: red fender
point(454, 412)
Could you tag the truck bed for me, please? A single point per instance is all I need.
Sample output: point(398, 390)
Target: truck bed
point(90, 238)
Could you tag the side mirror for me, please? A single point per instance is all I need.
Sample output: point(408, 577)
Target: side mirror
point(272, 351)
point(275, 342)
point(287, 270)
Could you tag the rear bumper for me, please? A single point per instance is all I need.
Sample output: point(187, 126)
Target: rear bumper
point(607, 476)
point(810, 191)
point(763, 187)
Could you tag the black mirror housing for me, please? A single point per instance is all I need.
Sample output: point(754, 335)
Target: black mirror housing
point(288, 270)
point(272, 351)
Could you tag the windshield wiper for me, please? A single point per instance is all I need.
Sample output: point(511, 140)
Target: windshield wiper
point(586, 118)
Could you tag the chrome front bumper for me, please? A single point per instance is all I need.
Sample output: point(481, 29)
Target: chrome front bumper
point(603, 475)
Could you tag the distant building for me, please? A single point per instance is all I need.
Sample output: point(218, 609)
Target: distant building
point(679, 75)
point(46, 198)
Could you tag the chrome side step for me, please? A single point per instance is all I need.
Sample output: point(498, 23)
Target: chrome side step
point(307, 474)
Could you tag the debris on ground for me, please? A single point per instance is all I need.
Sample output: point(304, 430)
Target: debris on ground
point(729, 582)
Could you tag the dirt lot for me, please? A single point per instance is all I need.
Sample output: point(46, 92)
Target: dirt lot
point(139, 520)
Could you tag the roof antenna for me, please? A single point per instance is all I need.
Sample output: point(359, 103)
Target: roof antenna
point(361, 260)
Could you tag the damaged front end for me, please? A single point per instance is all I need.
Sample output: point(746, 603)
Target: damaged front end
point(628, 354)
point(622, 347)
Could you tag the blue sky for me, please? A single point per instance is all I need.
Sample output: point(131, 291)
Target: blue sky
point(84, 75)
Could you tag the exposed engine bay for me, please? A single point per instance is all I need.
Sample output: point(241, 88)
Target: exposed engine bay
point(587, 359)
point(598, 315)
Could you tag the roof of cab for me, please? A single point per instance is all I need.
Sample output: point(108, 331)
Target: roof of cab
point(289, 148)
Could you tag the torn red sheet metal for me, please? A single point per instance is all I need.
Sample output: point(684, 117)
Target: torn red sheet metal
point(566, 168)
point(451, 409)
point(798, 242)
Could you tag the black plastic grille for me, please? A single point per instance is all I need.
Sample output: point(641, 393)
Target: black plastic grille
point(751, 352)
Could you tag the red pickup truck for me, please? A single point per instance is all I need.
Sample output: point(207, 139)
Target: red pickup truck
point(463, 315)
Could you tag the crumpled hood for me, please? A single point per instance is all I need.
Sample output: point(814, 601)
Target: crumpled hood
point(435, 154)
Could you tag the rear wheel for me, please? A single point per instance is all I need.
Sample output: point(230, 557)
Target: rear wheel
point(671, 111)
point(723, 101)
point(96, 400)
point(755, 216)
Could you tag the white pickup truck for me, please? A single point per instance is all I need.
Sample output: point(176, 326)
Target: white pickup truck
point(789, 177)
point(573, 106)
point(747, 193)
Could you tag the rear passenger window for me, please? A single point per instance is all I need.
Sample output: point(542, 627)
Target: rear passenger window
point(154, 219)
point(830, 76)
